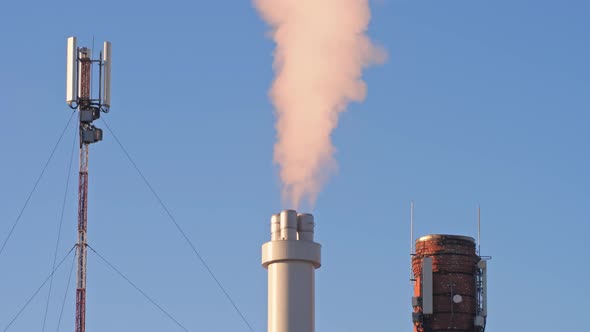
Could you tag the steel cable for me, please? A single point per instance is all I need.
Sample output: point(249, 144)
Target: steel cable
point(137, 288)
point(35, 185)
point(61, 218)
point(179, 228)
point(37, 291)
point(63, 303)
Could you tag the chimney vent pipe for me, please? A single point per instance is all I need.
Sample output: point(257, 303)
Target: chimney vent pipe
point(291, 260)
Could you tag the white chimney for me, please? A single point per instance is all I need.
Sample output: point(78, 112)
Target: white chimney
point(291, 258)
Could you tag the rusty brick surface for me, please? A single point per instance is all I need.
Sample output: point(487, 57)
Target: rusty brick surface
point(454, 267)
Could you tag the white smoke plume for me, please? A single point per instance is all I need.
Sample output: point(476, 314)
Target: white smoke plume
point(321, 49)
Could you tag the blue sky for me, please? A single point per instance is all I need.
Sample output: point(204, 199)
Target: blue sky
point(481, 102)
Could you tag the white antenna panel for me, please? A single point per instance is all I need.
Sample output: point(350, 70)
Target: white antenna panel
point(107, 60)
point(483, 265)
point(71, 72)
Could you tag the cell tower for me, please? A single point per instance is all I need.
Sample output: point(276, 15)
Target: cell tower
point(79, 96)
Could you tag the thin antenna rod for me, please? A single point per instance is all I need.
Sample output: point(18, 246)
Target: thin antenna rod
point(411, 238)
point(478, 230)
point(412, 228)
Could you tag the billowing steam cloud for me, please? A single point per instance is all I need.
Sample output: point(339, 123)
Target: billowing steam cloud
point(321, 51)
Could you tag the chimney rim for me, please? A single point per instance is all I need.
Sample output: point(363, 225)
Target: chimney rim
point(445, 236)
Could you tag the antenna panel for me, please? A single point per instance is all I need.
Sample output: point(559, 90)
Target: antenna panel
point(71, 72)
point(106, 81)
point(427, 284)
point(483, 265)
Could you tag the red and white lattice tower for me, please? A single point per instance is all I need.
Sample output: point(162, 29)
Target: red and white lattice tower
point(79, 96)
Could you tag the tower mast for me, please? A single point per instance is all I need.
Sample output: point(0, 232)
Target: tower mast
point(79, 96)
point(84, 101)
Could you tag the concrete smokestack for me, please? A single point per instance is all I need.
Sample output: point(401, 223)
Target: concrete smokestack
point(291, 258)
